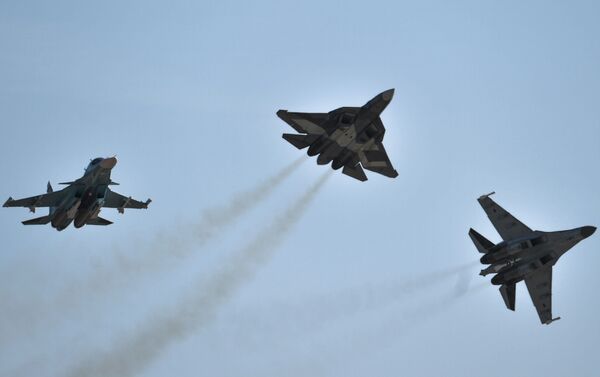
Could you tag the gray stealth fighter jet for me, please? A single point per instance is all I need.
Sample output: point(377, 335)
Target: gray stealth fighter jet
point(524, 254)
point(347, 136)
point(80, 202)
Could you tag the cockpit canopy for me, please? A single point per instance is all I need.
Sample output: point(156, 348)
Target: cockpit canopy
point(93, 163)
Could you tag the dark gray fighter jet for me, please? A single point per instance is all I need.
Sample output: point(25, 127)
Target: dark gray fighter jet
point(524, 254)
point(347, 137)
point(80, 202)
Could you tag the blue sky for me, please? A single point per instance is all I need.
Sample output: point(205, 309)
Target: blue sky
point(490, 96)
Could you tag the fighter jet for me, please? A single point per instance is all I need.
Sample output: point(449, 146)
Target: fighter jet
point(80, 202)
point(524, 254)
point(347, 136)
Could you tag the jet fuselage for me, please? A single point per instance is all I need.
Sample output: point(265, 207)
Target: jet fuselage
point(86, 197)
point(347, 137)
point(513, 261)
point(352, 130)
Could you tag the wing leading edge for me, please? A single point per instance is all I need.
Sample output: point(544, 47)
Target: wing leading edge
point(307, 123)
point(508, 226)
point(120, 202)
point(51, 199)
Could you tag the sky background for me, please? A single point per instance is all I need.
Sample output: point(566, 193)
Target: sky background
point(490, 96)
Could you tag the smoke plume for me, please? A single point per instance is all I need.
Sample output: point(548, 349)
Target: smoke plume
point(131, 262)
point(211, 223)
point(311, 315)
point(130, 355)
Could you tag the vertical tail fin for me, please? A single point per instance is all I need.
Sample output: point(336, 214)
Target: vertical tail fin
point(49, 190)
point(508, 293)
point(482, 244)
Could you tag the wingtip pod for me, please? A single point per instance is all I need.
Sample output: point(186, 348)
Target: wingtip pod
point(486, 195)
point(552, 320)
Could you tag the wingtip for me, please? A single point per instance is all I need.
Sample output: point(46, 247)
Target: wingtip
point(10, 199)
point(281, 113)
point(552, 320)
point(486, 195)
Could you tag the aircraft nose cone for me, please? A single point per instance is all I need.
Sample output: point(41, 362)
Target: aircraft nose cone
point(108, 163)
point(387, 95)
point(587, 231)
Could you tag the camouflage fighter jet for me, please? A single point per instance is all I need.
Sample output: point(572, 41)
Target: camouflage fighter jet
point(347, 137)
point(524, 254)
point(80, 202)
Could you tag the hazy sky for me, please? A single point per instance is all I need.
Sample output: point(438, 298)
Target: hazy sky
point(297, 280)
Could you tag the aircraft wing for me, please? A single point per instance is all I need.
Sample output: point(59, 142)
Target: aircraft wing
point(115, 200)
point(51, 199)
point(307, 123)
point(506, 224)
point(375, 158)
point(539, 285)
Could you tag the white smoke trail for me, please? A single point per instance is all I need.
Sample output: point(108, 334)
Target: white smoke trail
point(124, 265)
point(130, 355)
point(182, 242)
point(361, 344)
point(308, 316)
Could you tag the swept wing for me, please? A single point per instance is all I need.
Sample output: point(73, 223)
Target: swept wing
point(539, 285)
point(508, 226)
point(116, 200)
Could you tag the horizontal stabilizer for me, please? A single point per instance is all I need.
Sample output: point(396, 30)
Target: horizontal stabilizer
point(98, 221)
point(508, 293)
point(38, 220)
point(300, 141)
point(482, 244)
point(356, 172)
